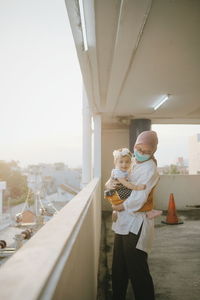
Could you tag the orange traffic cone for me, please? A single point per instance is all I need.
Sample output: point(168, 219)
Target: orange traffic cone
point(172, 218)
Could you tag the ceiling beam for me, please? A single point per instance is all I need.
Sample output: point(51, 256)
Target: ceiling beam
point(132, 19)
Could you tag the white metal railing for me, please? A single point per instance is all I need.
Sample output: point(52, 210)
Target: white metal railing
point(61, 259)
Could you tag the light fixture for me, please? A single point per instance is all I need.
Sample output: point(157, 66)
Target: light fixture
point(162, 100)
point(83, 25)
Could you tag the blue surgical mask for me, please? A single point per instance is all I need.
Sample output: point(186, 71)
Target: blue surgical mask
point(141, 157)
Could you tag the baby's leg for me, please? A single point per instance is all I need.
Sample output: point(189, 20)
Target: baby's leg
point(114, 199)
point(114, 216)
point(153, 213)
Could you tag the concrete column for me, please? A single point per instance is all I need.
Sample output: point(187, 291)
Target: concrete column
point(97, 145)
point(136, 127)
point(2, 187)
point(86, 141)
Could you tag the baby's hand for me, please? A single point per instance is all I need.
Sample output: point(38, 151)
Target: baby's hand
point(112, 184)
point(141, 187)
point(116, 184)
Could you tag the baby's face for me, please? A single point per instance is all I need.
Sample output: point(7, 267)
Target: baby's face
point(123, 163)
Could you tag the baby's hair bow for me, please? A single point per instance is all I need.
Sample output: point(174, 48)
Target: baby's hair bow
point(122, 152)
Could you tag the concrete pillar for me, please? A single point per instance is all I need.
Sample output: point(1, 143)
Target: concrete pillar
point(136, 127)
point(97, 145)
point(86, 141)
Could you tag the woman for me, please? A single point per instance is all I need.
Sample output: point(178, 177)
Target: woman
point(133, 230)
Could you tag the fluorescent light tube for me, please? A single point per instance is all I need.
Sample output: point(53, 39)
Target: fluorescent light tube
point(163, 100)
point(81, 9)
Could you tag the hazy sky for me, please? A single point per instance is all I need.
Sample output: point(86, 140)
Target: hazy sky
point(173, 142)
point(40, 83)
point(40, 89)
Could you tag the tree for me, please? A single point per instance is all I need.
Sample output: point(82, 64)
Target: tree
point(173, 169)
point(16, 182)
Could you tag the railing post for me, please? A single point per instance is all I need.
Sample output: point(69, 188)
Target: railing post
point(86, 141)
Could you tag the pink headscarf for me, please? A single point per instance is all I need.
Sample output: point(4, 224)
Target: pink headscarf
point(148, 138)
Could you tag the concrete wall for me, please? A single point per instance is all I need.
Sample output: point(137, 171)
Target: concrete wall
point(61, 260)
point(111, 139)
point(186, 190)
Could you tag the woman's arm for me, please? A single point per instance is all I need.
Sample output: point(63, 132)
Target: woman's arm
point(137, 199)
point(131, 186)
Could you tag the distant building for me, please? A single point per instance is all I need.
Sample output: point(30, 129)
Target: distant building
point(61, 174)
point(64, 194)
point(28, 217)
point(56, 182)
point(179, 168)
point(182, 166)
point(194, 154)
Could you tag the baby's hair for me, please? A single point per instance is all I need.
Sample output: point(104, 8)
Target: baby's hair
point(121, 153)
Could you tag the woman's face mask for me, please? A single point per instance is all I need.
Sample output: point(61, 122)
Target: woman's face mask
point(141, 157)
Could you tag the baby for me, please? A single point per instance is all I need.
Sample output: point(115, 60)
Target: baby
point(122, 161)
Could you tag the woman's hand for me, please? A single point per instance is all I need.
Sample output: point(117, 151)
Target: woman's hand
point(119, 207)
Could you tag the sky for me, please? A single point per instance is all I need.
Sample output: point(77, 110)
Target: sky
point(173, 142)
point(41, 89)
point(40, 84)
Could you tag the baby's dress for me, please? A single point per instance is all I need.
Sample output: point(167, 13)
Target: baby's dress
point(122, 190)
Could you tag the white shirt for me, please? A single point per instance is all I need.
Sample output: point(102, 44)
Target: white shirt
point(129, 220)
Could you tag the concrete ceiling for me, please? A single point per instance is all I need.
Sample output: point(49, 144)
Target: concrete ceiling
point(138, 51)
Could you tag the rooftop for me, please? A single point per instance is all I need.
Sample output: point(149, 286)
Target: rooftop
point(174, 261)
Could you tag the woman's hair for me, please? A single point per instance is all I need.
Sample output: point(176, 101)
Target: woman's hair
point(121, 153)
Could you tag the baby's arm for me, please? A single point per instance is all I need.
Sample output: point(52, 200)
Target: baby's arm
point(111, 184)
point(131, 186)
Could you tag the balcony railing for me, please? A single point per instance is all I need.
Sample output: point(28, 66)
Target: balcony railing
point(61, 259)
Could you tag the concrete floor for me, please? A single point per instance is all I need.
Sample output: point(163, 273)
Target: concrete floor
point(174, 261)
